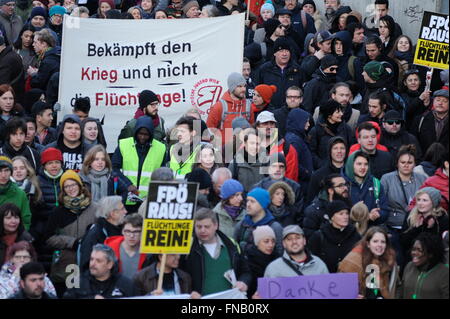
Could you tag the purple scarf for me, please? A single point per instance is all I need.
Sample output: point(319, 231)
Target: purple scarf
point(233, 211)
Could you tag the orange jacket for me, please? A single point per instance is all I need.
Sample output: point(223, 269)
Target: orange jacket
point(114, 242)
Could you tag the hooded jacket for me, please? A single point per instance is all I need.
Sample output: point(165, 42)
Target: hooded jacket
point(248, 174)
point(243, 231)
point(332, 244)
point(295, 136)
point(319, 138)
point(343, 71)
point(316, 91)
point(29, 153)
point(324, 171)
point(114, 242)
point(11, 193)
point(315, 214)
point(142, 150)
point(367, 192)
point(286, 213)
point(424, 128)
point(226, 223)
point(50, 64)
point(73, 159)
point(258, 262)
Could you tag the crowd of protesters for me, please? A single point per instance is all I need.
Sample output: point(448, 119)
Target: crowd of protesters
point(328, 153)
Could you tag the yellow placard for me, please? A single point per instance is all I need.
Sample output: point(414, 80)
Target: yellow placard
point(162, 236)
point(432, 54)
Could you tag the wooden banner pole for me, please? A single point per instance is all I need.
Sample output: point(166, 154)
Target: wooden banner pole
point(161, 272)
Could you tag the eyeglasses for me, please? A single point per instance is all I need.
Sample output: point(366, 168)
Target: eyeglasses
point(294, 96)
point(342, 185)
point(132, 233)
point(23, 257)
point(332, 69)
point(411, 71)
point(392, 122)
point(71, 186)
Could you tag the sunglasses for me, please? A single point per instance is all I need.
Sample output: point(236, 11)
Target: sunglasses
point(392, 122)
point(332, 69)
point(412, 71)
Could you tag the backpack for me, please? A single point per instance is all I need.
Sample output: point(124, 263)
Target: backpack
point(225, 113)
point(351, 66)
point(80, 241)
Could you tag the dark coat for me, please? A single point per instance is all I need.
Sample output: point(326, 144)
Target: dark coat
point(49, 65)
point(425, 131)
point(11, 71)
point(21, 295)
point(314, 214)
point(29, 153)
point(281, 115)
point(49, 138)
point(309, 65)
point(258, 261)
point(319, 137)
point(194, 263)
point(97, 234)
point(394, 142)
point(316, 91)
point(332, 245)
point(146, 280)
point(24, 236)
point(316, 179)
point(414, 107)
point(271, 74)
point(117, 286)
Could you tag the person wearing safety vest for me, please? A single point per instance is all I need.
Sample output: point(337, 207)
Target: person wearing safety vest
point(183, 153)
point(136, 158)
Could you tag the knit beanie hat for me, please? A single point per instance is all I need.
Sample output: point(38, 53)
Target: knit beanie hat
point(189, 5)
point(234, 80)
point(262, 232)
point(147, 97)
point(70, 174)
point(281, 43)
point(327, 61)
point(277, 158)
point(375, 70)
point(5, 161)
point(311, 2)
point(434, 194)
point(199, 175)
point(270, 26)
point(51, 154)
point(267, 6)
point(266, 91)
point(335, 207)
point(240, 122)
point(110, 2)
point(38, 11)
point(57, 10)
point(329, 107)
point(261, 195)
point(229, 188)
point(392, 115)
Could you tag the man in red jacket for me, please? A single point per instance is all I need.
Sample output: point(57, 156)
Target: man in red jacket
point(266, 124)
point(233, 104)
point(126, 247)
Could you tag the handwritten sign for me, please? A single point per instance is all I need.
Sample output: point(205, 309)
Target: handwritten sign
point(330, 286)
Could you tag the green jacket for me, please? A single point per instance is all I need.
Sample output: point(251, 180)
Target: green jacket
point(159, 132)
point(11, 193)
point(226, 223)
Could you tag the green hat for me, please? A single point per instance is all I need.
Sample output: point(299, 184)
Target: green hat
point(375, 70)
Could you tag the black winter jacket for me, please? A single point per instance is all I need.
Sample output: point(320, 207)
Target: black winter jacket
point(49, 65)
point(317, 90)
point(314, 214)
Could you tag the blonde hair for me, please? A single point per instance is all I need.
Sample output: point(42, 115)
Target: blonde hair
point(90, 157)
point(414, 214)
point(31, 173)
point(359, 214)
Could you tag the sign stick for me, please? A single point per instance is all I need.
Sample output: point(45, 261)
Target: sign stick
point(161, 272)
point(428, 79)
point(248, 10)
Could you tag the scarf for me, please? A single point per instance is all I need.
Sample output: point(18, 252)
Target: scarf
point(333, 127)
point(279, 211)
point(26, 186)
point(406, 56)
point(53, 177)
point(99, 183)
point(233, 211)
point(76, 204)
point(155, 121)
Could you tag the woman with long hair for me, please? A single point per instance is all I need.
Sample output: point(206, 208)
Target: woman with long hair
point(92, 132)
point(25, 177)
point(18, 255)
point(386, 28)
point(24, 47)
point(67, 224)
point(417, 101)
point(373, 256)
point(402, 53)
point(98, 177)
point(207, 158)
point(8, 108)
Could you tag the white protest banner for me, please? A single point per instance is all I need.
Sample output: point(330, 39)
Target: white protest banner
point(186, 62)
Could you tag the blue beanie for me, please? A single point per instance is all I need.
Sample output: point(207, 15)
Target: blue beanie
point(261, 195)
point(57, 10)
point(229, 188)
point(38, 11)
point(267, 6)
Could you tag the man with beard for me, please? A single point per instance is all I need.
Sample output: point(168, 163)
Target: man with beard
point(334, 187)
point(296, 259)
point(337, 151)
point(365, 187)
point(32, 282)
point(331, 7)
point(148, 105)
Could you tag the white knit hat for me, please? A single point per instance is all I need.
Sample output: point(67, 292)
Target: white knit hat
point(262, 232)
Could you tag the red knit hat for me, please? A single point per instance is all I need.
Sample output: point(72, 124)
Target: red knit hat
point(51, 154)
point(266, 91)
point(110, 2)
